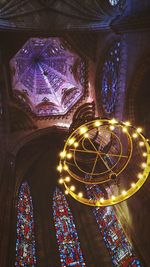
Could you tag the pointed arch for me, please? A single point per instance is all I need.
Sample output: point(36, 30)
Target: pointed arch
point(116, 241)
point(67, 237)
point(25, 241)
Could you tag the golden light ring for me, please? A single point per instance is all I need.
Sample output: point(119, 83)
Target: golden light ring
point(130, 192)
point(119, 198)
point(104, 172)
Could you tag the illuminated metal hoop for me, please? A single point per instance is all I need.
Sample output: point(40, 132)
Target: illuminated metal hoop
point(73, 166)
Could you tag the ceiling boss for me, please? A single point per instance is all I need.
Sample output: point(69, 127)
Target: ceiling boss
point(107, 153)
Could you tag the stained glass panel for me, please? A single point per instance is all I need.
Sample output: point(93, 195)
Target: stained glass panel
point(25, 243)
point(110, 71)
point(47, 76)
point(67, 238)
point(114, 2)
point(119, 247)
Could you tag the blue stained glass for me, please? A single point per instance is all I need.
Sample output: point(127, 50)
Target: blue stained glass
point(113, 2)
point(25, 243)
point(67, 238)
point(110, 71)
point(120, 249)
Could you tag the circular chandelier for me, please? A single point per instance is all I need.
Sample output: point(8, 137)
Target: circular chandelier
point(107, 153)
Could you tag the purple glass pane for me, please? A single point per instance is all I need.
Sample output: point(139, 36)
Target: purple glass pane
point(45, 68)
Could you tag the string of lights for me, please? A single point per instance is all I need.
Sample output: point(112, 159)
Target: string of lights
point(103, 151)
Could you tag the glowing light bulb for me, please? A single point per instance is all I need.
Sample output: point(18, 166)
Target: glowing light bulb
point(71, 141)
point(76, 144)
point(65, 167)
point(59, 168)
point(124, 129)
point(69, 155)
point(113, 121)
point(112, 127)
point(72, 188)
point(141, 143)
point(67, 179)
point(140, 175)
point(86, 135)
point(134, 135)
point(127, 123)
point(62, 154)
point(144, 154)
point(83, 130)
point(139, 130)
point(101, 199)
point(66, 192)
point(80, 194)
point(61, 181)
point(97, 123)
point(124, 192)
point(113, 197)
point(143, 165)
point(133, 185)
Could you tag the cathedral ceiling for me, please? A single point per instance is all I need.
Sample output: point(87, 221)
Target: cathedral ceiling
point(47, 76)
point(53, 15)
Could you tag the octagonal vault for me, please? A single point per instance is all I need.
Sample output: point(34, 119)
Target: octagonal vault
point(48, 76)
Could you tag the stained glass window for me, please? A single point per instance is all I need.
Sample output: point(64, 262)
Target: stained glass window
point(119, 247)
point(113, 2)
point(110, 72)
point(25, 243)
point(67, 238)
